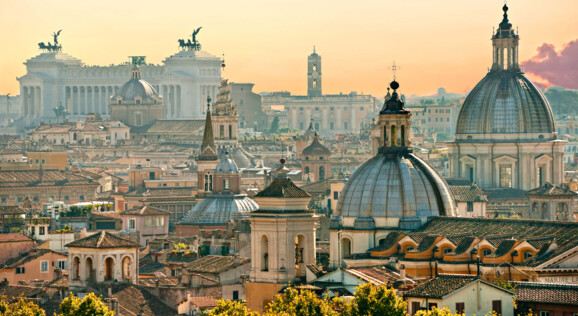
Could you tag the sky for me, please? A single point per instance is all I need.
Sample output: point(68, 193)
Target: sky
point(266, 42)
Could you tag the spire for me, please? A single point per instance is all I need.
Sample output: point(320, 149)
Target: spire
point(208, 148)
point(393, 104)
point(314, 50)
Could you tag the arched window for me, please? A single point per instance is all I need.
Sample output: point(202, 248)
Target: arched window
point(487, 252)
point(384, 135)
point(300, 256)
point(76, 268)
point(231, 131)
point(225, 184)
point(208, 182)
point(345, 247)
point(264, 253)
point(307, 170)
point(321, 173)
point(109, 269)
point(393, 136)
point(562, 212)
point(402, 136)
point(545, 211)
point(447, 250)
point(89, 270)
point(126, 268)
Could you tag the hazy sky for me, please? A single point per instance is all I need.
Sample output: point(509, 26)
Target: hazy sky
point(435, 43)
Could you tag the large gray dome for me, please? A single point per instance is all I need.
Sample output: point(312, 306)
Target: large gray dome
point(136, 87)
point(505, 102)
point(219, 209)
point(398, 186)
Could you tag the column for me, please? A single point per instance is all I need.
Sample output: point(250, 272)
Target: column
point(165, 101)
point(353, 121)
point(338, 123)
point(178, 97)
point(38, 109)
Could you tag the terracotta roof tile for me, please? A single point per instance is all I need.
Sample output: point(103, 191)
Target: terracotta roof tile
point(146, 210)
point(546, 293)
point(441, 286)
point(103, 240)
point(468, 193)
point(283, 188)
point(204, 302)
point(215, 264)
point(132, 301)
point(14, 237)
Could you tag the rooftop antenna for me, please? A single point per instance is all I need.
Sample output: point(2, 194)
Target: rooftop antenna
point(394, 68)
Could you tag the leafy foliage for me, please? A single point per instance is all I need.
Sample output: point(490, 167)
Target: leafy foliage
point(231, 308)
point(90, 305)
point(437, 312)
point(377, 300)
point(77, 211)
point(299, 303)
point(21, 307)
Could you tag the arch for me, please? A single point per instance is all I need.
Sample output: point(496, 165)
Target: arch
point(300, 255)
point(384, 135)
point(89, 270)
point(402, 136)
point(486, 252)
point(534, 213)
point(126, 268)
point(545, 211)
point(109, 269)
point(76, 268)
point(307, 169)
point(321, 173)
point(264, 255)
point(562, 211)
point(346, 246)
point(393, 136)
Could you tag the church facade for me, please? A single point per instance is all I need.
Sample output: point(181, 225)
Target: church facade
point(506, 135)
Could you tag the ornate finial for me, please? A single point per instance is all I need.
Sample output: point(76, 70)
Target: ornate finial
point(394, 85)
point(223, 62)
point(314, 50)
point(394, 69)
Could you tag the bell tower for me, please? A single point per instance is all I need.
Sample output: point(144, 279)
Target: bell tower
point(505, 46)
point(314, 75)
point(394, 122)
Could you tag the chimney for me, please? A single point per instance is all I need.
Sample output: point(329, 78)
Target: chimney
point(402, 272)
point(40, 173)
point(57, 274)
point(109, 291)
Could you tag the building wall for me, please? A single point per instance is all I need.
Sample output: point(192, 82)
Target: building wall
point(261, 294)
point(249, 106)
point(79, 275)
point(477, 298)
point(32, 269)
point(13, 249)
point(149, 227)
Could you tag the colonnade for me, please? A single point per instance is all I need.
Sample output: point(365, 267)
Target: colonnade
point(31, 101)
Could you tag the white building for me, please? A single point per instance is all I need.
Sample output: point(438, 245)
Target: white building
point(185, 80)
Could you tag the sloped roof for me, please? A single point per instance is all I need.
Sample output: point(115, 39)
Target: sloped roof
point(14, 292)
point(441, 286)
point(26, 257)
point(215, 264)
point(316, 148)
point(103, 240)
point(30, 178)
point(176, 126)
point(546, 293)
point(135, 301)
point(468, 193)
point(11, 210)
point(552, 190)
point(498, 230)
point(203, 302)
point(283, 188)
point(14, 237)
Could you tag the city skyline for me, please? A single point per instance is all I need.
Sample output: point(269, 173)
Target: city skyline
point(357, 43)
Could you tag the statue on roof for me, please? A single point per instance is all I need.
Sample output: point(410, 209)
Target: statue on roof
point(51, 47)
point(191, 45)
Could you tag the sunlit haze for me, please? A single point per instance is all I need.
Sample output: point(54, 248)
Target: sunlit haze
point(435, 43)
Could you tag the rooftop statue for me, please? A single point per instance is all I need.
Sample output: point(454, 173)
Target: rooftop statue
point(51, 47)
point(188, 45)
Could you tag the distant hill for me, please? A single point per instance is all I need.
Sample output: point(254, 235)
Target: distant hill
point(563, 102)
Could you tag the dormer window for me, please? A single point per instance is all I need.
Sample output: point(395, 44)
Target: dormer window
point(119, 101)
point(137, 101)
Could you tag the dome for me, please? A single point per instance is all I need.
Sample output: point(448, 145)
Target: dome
point(218, 210)
point(136, 87)
point(395, 186)
point(505, 102)
point(316, 148)
point(226, 165)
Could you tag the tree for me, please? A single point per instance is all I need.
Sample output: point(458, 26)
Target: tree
point(230, 308)
point(90, 305)
point(299, 303)
point(377, 300)
point(21, 307)
point(437, 312)
point(274, 125)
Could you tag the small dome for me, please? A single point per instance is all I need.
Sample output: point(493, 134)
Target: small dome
point(505, 102)
point(136, 87)
point(226, 165)
point(316, 148)
point(218, 210)
point(395, 187)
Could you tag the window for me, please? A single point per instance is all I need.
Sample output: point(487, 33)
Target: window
point(301, 126)
point(316, 109)
point(235, 295)
point(225, 184)
point(506, 176)
point(460, 308)
point(432, 305)
point(345, 109)
point(62, 264)
point(331, 108)
point(487, 252)
point(345, 125)
point(20, 270)
point(497, 307)
point(222, 131)
point(335, 195)
point(174, 272)
point(132, 223)
point(361, 108)
point(546, 313)
point(66, 198)
point(20, 199)
point(148, 221)
point(470, 207)
point(160, 221)
point(415, 306)
point(528, 254)
point(41, 230)
point(138, 119)
point(331, 125)
point(301, 109)
point(447, 250)
point(44, 266)
point(3, 200)
point(35, 199)
point(32, 231)
point(409, 248)
point(81, 197)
